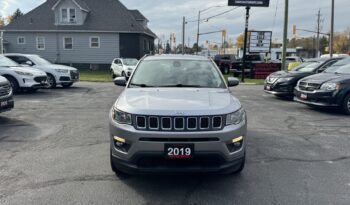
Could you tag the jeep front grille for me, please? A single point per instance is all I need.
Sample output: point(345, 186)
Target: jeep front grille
point(177, 124)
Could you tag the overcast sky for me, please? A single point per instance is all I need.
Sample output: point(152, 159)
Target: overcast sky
point(165, 16)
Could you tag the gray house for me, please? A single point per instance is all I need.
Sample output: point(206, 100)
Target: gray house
point(84, 33)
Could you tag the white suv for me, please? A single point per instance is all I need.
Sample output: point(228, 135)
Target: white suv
point(57, 74)
point(123, 67)
point(22, 78)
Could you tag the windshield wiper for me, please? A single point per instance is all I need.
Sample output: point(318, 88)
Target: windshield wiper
point(141, 85)
point(181, 86)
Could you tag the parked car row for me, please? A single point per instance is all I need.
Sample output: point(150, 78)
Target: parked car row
point(28, 73)
point(319, 83)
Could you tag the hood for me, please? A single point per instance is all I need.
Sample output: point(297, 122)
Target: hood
point(177, 101)
point(56, 66)
point(287, 74)
point(34, 71)
point(325, 77)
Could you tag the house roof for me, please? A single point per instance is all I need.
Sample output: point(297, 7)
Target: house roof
point(138, 15)
point(103, 16)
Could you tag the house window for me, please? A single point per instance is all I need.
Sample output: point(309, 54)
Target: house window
point(68, 43)
point(40, 43)
point(94, 42)
point(21, 40)
point(64, 15)
point(72, 18)
point(68, 15)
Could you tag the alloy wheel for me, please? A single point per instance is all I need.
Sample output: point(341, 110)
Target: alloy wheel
point(50, 81)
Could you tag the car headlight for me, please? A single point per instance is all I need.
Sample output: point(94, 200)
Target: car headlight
point(62, 70)
point(24, 73)
point(121, 117)
point(282, 80)
point(330, 86)
point(236, 117)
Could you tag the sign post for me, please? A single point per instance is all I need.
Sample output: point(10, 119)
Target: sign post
point(247, 4)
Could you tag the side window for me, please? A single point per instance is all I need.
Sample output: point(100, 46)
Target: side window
point(329, 64)
point(20, 59)
point(116, 61)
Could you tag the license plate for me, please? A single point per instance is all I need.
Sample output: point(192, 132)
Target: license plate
point(3, 104)
point(303, 96)
point(268, 87)
point(179, 151)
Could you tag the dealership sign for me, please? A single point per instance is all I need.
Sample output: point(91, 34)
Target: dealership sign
point(260, 41)
point(253, 3)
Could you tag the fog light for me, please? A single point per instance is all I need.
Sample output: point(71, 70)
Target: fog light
point(121, 144)
point(236, 144)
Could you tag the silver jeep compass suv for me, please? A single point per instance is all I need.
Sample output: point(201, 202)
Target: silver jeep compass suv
point(175, 115)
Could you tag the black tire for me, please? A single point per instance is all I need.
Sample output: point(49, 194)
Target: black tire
point(346, 105)
point(14, 83)
point(123, 74)
point(117, 172)
point(67, 85)
point(51, 81)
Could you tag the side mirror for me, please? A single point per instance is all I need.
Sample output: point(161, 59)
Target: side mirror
point(232, 82)
point(30, 63)
point(120, 81)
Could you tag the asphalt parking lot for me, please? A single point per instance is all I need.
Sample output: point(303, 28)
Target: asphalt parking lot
point(54, 149)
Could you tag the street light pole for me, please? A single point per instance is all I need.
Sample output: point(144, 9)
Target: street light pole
point(331, 39)
point(199, 19)
point(183, 35)
point(285, 35)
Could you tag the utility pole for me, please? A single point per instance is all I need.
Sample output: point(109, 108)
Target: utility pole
point(245, 42)
point(183, 35)
point(331, 38)
point(318, 34)
point(199, 19)
point(285, 35)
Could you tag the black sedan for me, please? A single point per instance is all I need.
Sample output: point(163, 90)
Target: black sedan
point(282, 83)
point(328, 89)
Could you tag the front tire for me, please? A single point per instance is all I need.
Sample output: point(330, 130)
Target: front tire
point(51, 81)
point(346, 105)
point(14, 83)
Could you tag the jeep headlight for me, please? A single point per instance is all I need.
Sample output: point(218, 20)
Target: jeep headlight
point(330, 86)
point(121, 117)
point(282, 80)
point(236, 117)
point(24, 73)
point(62, 70)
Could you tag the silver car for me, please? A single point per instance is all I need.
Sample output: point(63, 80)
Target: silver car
point(177, 115)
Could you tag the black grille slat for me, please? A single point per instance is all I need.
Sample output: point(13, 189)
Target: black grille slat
point(179, 123)
point(141, 122)
point(166, 123)
point(40, 79)
point(192, 123)
point(204, 123)
point(309, 86)
point(217, 121)
point(153, 123)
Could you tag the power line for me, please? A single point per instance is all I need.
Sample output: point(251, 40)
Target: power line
point(210, 17)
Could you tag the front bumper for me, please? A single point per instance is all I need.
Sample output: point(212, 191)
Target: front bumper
point(318, 98)
point(279, 88)
point(149, 156)
point(70, 77)
point(6, 103)
point(33, 82)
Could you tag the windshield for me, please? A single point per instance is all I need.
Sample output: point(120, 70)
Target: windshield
point(7, 62)
point(297, 68)
point(310, 67)
point(130, 62)
point(337, 65)
point(343, 69)
point(177, 73)
point(39, 60)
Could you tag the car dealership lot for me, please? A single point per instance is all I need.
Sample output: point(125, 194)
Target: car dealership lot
point(54, 149)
